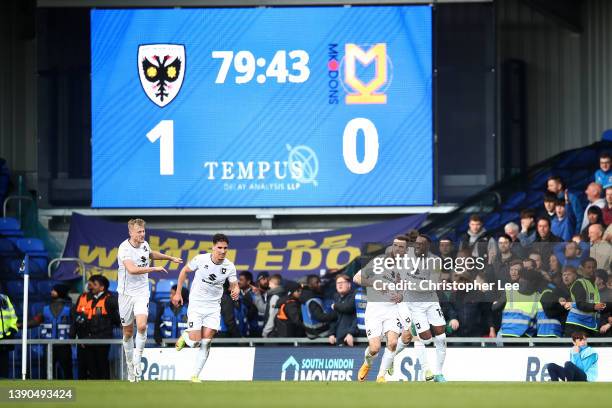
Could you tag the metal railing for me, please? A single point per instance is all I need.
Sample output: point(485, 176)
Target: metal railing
point(60, 260)
point(19, 198)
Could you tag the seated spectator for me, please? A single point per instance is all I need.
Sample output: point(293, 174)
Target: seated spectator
point(555, 185)
point(607, 210)
point(528, 228)
point(593, 193)
point(603, 176)
point(554, 268)
point(582, 365)
point(512, 230)
point(171, 320)
point(599, 250)
point(316, 319)
point(499, 264)
point(548, 207)
point(605, 295)
point(594, 216)
point(343, 330)
point(564, 222)
point(275, 293)
point(288, 320)
point(475, 239)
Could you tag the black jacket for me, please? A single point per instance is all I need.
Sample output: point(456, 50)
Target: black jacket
point(101, 326)
point(228, 316)
point(346, 316)
point(288, 321)
point(473, 312)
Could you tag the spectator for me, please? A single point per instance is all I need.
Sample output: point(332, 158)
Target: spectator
point(499, 265)
point(512, 230)
point(554, 267)
point(607, 209)
point(551, 315)
point(316, 319)
point(548, 209)
point(528, 228)
point(234, 320)
point(564, 222)
point(275, 293)
point(252, 302)
point(8, 330)
point(80, 329)
point(605, 296)
point(545, 240)
point(446, 250)
point(171, 320)
point(594, 216)
point(288, 321)
point(344, 328)
point(56, 318)
point(582, 365)
point(600, 250)
point(474, 317)
point(585, 303)
point(571, 253)
point(555, 185)
point(603, 176)
point(593, 193)
point(261, 296)
point(475, 239)
point(519, 306)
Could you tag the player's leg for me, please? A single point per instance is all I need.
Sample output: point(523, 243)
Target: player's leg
point(406, 320)
point(438, 326)
point(374, 332)
point(193, 334)
point(126, 313)
point(141, 313)
point(210, 324)
point(421, 325)
point(392, 334)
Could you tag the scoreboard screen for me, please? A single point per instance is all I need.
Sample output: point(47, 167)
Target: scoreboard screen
point(262, 107)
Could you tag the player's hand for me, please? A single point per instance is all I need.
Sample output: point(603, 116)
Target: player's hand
point(349, 340)
point(176, 260)
point(454, 324)
point(177, 299)
point(332, 339)
point(599, 306)
point(492, 333)
point(396, 297)
point(235, 293)
point(159, 269)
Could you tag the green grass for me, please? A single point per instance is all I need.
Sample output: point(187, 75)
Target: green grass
point(167, 394)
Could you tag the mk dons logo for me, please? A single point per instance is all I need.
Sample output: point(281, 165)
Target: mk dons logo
point(372, 91)
point(161, 68)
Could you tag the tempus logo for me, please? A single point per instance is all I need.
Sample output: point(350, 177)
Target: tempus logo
point(161, 68)
point(290, 363)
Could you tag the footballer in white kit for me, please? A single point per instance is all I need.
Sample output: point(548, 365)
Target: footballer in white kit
point(204, 310)
point(381, 314)
point(133, 257)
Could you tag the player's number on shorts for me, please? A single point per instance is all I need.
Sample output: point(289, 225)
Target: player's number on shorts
point(349, 146)
point(439, 312)
point(164, 131)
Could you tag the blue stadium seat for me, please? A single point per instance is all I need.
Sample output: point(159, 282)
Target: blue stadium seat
point(14, 289)
point(514, 201)
point(33, 246)
point(152, 311)
point(150, 329)
point(162, 290)
point(9, 227)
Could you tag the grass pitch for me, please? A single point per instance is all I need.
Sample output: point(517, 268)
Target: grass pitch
point(272, 394)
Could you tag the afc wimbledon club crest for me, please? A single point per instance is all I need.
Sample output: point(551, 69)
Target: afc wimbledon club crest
point(161, 68)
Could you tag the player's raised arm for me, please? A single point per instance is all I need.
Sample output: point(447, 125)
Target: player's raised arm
point(159, 256)
point(132, 269)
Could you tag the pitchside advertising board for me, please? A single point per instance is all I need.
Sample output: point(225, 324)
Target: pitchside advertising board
point(262, 107)
point(342, 364)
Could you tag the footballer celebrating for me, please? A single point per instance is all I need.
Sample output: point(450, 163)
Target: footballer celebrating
point(134, 257)
point(204, 310)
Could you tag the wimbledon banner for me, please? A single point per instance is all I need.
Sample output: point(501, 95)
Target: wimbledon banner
point(95, 241)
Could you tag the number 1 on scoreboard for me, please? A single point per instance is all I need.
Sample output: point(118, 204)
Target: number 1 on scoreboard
point(164, 131)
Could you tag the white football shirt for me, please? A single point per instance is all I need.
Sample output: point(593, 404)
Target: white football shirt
point(207, 286)
point(128, 284)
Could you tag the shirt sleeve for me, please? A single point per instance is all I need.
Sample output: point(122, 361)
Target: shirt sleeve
point(123, 254)
point(194, 263)
point(231, 277)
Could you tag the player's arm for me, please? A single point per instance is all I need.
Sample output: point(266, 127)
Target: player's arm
point(155, 255)
point(177, 299)
point(234, 289)
point(132, 269)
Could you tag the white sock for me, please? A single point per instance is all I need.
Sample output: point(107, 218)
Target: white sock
point(440, 343)
point(421, 352)
point(369, 357)
point(188, 341)
point(202, 356)
point(141, 339)
point(387, 360)
point(400, 346)
point(128, 349)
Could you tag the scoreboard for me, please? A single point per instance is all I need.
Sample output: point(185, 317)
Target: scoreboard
point(262, 107)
